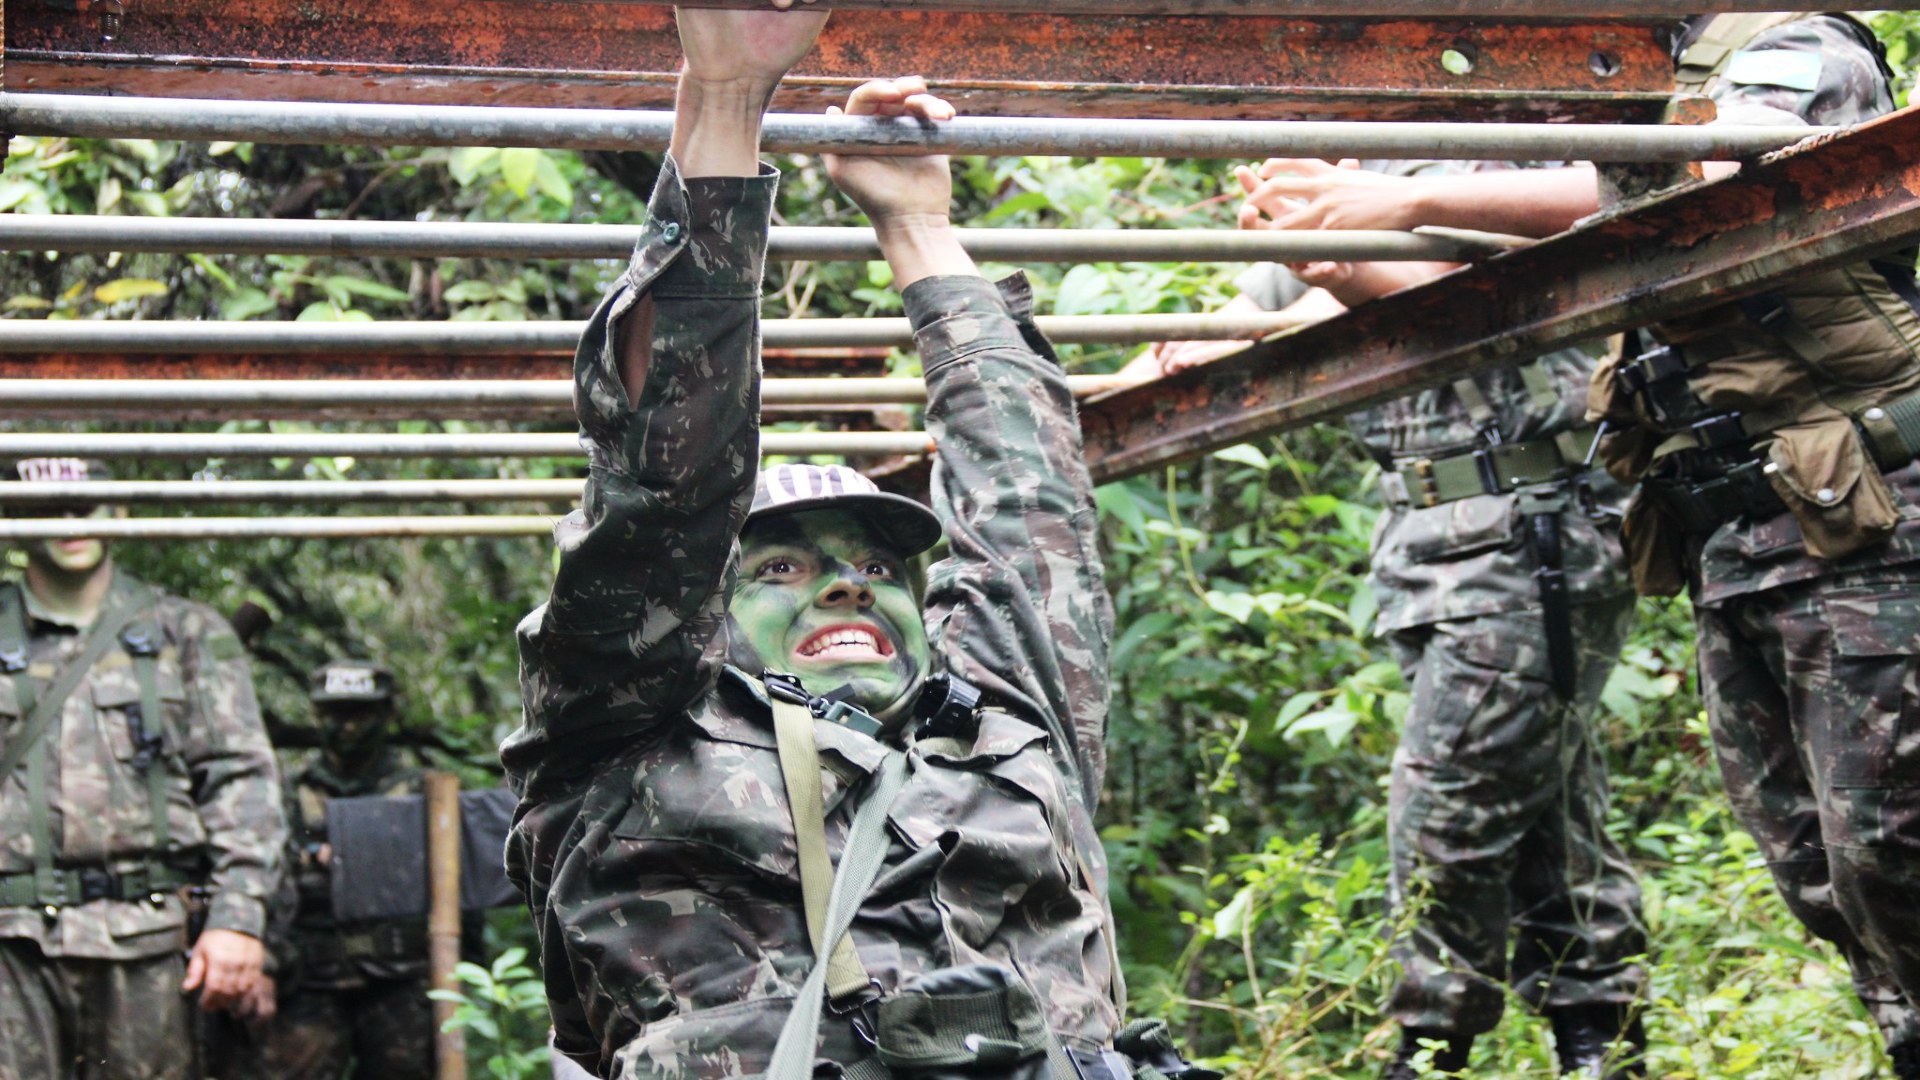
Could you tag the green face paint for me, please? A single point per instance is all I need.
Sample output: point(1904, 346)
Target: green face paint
point(823, 597)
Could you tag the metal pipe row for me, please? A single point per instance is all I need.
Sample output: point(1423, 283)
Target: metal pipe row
point(608, 129)
point(23, 396)
point(495, 338)
point(265, 528)
point(256, 492)
point(509, 444)
point(508, 240)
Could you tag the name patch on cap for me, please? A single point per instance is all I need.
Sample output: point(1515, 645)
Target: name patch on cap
point(53, 470)
point(357, 681)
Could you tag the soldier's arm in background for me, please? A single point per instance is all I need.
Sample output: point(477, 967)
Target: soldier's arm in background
point(1018, 608)
point(666, 387)
point(236, 786)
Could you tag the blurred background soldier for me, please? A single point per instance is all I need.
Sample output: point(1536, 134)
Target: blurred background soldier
point(351, 993)
point(135, 775)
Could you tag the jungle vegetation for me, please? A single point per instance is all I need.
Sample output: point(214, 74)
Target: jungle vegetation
point(1254, 713)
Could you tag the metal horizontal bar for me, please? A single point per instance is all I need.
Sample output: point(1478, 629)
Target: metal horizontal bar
point(624, 56)
point(24, 396)
point(480, 338)
point(201, 492)
point(498, 444)
point(1426, 9)
point(1819, 206)
point(539, 364)
point(509, 240)
point(262, 528)
point(588, 129)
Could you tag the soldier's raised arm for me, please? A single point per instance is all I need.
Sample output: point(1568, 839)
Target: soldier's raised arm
point(666, 387)
point(1019, 608)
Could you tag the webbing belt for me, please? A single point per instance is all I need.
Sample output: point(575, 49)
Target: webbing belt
point(1892, 432)
point(79, 885)
point(1495, 470)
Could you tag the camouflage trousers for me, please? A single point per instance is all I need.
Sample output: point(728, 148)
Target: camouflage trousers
point(380, 1031)
point(70, 1019)
point(1498, 803)
point(1813, 693)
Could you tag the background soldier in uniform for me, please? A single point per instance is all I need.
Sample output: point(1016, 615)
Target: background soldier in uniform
point(1498, 797)
point(1775, 440)
point(720, 662)
point(349, 993)
point(134, 766)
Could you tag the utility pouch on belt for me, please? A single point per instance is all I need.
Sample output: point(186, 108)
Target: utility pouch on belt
point(974, 1021)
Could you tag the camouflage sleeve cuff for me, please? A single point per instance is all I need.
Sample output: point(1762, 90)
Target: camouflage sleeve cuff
point(721, 220)
point(237, 912)
point(958, 316)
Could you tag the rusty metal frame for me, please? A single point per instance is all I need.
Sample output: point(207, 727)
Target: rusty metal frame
point(602, 53)
point(1845, 198)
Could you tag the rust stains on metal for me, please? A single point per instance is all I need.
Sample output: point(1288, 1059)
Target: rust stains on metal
point(1821, 205)
point(596, 54)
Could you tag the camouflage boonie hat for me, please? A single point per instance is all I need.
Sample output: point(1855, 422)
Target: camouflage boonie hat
point(59, 470)
point(792, 489)
point(350, 682)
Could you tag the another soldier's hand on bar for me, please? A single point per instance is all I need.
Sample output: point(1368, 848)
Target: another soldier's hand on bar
point(1303, 193)
point(1169, 357)
point(224, 966)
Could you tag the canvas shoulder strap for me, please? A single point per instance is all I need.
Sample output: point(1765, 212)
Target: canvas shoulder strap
point(800, 767)
point(37, 718)
point(1725, 35)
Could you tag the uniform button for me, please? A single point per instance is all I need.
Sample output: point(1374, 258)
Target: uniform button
point(1876, 413)
point(670, 232)
point(1826, 495)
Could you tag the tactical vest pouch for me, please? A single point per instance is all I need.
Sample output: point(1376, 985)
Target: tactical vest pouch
point(1655, 544)
point(1822, 473)
point(974, 1021)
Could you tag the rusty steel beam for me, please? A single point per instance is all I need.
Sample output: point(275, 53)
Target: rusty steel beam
point(1842, 199)
point(549, 364)
point(619, 55)
point(1489, 9)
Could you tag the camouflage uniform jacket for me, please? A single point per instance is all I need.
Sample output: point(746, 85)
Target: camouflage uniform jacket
point(1819, 71)
point(654, 841)
point(306, 941)
point(223, 792)
point(1468, 557)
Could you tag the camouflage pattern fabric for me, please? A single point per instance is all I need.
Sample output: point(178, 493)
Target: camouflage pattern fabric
point(223, 790)
point(1498, 806)
point(655, 843)
point(1498, 796)
point(70, 1018)
point(1813, 691)
point(1811, 667)
point(381, 1030)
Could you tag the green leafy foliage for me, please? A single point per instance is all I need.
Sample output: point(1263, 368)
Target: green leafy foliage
point(1254, 714)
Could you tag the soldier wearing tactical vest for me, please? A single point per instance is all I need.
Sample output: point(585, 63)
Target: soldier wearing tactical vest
point(1774, 440)
point(349, 993)
point(776, 805)
point(1503, 594)
point(135, 780)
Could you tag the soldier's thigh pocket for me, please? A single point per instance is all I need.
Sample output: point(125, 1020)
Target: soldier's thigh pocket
point(1869, 735)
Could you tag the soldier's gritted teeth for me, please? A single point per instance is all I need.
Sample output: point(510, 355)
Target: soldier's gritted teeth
point(825, 598)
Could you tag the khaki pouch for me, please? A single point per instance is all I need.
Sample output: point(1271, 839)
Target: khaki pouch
point(1836, 494)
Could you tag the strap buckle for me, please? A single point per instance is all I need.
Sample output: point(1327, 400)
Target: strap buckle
point(787, 687)
point(1650, 368)
point(97, 883)
point(1429, 495)
point(138, 641)
point(1720, 432)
